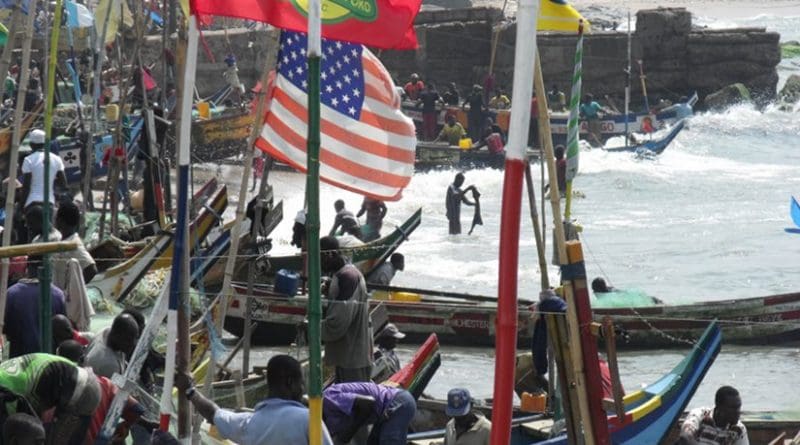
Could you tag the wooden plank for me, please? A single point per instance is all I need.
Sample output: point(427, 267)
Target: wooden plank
point(556, 336)
point(438, 293)
point(613, 366)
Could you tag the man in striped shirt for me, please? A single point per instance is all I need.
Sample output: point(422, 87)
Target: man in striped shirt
point(717, 426)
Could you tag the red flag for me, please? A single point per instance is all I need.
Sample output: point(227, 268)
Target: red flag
point(385, 24)
point(367, 143)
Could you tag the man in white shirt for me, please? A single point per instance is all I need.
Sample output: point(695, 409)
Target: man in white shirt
point(717, 426)
point(384, 273)
point(33, 172)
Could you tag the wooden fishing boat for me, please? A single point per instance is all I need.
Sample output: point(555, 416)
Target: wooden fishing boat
point(433, 155)
point(653, 146)
point(117, 282)
point(6, 134)
point(462, 319)
point(221, 136)
point(365, 256)
point(650, 413)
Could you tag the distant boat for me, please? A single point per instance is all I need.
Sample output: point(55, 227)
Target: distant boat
point(795, 212)
point(653, 146)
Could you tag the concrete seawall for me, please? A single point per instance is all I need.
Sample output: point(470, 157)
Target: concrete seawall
point(455, 46)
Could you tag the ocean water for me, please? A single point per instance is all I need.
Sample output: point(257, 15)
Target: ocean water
point(703, 221)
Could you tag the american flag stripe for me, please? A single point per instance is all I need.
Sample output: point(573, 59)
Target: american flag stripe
point(367, 144)
point(355, 140)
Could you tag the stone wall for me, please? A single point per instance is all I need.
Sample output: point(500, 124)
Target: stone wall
point(455, 46)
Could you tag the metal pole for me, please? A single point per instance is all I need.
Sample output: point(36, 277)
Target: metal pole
point(628, 81)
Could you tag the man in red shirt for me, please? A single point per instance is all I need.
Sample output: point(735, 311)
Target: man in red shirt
point(414, 87)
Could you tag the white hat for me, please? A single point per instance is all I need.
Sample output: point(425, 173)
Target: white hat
point(36, 137)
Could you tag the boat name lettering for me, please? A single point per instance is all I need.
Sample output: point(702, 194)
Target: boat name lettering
point(765, 318)
point(469, 323)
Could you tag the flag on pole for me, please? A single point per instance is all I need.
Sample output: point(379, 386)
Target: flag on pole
point(558, 15)
point(379, 23)
point(368, 144)
point(78, 16)
point(573, 124)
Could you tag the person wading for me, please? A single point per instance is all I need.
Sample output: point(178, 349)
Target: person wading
point(455, 196)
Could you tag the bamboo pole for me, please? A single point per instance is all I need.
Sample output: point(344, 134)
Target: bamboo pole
point(575, 349)
point(237, 229)
point(16, 136)
point(537, 232)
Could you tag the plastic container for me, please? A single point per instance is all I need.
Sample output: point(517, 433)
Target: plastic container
point(533, 403)
point(381, 295)
point(204, 110)
point(286, 282)
point(405, 296)
point(465, 144)
point(112, 112)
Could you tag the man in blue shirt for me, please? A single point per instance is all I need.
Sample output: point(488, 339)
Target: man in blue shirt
point(590, 110)
point(279, 419)
point(21, 324)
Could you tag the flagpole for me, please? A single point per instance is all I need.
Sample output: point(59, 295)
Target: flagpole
point(13, 157)
point(506, 335)
point(312, 226)
point(177, 316)
point(574, 123)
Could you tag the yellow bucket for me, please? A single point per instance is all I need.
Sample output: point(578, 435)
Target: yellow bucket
point(465, 144)
point(405, 296)
point(204, 110)
point(112, 112)
point(380, 295)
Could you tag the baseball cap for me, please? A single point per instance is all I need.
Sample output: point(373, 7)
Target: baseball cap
point(391, 331)
point(36, 137)
point(459, 402)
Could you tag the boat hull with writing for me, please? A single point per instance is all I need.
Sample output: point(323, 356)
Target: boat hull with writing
point(434, 155)
point(222, 136)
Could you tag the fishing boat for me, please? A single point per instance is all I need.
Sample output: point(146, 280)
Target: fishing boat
point(117, 282)
point(222, 135)
point(649, 413)
point(433, 155)
point(653, 146)
point(365, 256)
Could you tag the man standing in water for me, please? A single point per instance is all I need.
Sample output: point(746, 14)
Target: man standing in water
point(455, 196)
point(376, 211)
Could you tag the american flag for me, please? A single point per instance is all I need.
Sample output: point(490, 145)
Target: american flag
point(367, 144)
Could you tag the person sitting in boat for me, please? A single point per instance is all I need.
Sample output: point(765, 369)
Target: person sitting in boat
point(452, 131)
point(465, 427)
point(345, 220)
point(21, 325)
point(500, 101)
point(346, 327)
point(63, 331)
point(414, 87)
point(279, 419)
point(455, 196)
point(609, 296)
point(111, 349)
point(375, 210)
point(384, 273)
point(491, 137)
point(349, 407)
point(23, 429)
point(385, 362)
point(451, 97)
point(719, 425)
point(556, 99)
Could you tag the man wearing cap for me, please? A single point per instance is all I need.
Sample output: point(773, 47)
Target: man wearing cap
point(465, 427)
point(385, 362)
point(346, 329)
point(33, 172)
point(45, 381)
